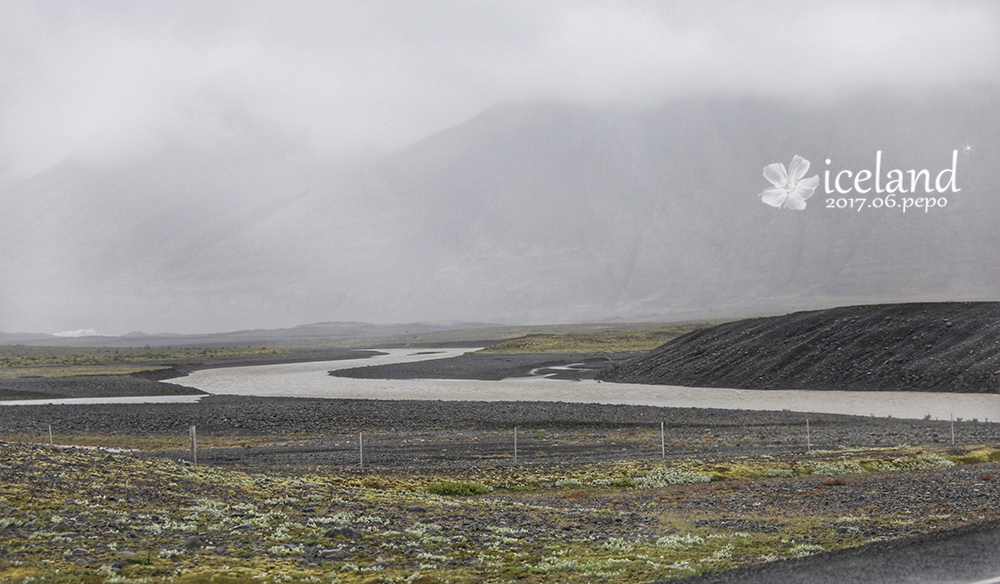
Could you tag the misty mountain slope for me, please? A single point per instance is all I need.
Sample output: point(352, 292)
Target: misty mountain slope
point(953, 347)
point(541, 211)
point(102, 241)
point(528, 212)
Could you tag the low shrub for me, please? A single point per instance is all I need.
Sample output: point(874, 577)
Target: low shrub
point(619, 483)
point(664, 476)
point(978, 456)
point(832, 470)
point(929, 462)
point(680, 543)
point(458, 489)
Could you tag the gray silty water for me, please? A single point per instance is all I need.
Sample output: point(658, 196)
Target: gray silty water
point(313, 380)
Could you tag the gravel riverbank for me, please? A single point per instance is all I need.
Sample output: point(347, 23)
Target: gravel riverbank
point(444, 434)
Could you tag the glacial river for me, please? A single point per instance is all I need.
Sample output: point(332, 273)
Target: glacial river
point(312, 380)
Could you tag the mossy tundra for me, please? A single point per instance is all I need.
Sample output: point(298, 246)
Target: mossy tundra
point(87, 515)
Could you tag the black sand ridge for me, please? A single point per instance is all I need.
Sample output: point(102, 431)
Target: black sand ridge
point(939, 347)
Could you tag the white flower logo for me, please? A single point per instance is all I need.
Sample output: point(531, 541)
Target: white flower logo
point(790, 190)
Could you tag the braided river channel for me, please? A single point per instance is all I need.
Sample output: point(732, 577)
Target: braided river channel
point(313, 380)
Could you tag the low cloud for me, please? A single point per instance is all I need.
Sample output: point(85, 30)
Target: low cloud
point(109, 79)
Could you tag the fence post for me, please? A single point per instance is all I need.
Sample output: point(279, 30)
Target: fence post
point(194, 446)
point(50, 435)
point(361, 448)
point(808, 437)
point(663, 442)
point(515, 444)
point(952, 429)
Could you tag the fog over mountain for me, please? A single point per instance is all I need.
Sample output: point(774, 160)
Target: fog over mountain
point(546, 212)
point(534, 212)
point(198, 167)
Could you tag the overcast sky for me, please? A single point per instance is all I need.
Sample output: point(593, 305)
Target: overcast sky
point(108, 79)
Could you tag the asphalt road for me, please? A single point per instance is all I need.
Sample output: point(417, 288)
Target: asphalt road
point(970, 555)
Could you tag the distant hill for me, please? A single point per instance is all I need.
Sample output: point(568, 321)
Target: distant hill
point(947, 347)
point(357, 334)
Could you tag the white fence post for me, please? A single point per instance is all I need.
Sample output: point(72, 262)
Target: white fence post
point(515, 444)
point(194, 445)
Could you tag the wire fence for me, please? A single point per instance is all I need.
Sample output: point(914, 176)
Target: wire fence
point(439, 447)
point(404, 450)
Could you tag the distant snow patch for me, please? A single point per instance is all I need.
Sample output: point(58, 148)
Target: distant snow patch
point(79, 333)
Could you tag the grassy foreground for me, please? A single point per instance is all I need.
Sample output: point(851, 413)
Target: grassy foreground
point(84, 515)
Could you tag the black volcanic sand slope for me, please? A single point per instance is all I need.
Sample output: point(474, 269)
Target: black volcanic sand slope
point(945, 347)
